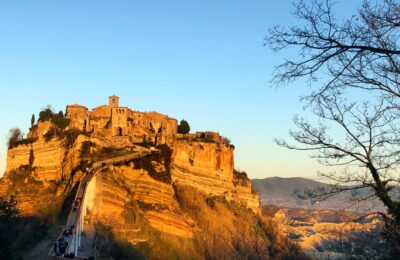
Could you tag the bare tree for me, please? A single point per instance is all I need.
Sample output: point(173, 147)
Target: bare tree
point(361, 52)
point(365, 135)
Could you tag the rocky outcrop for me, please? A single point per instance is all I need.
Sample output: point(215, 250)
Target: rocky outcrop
point(41, 173)
point(47, 158)
point(137, 199)
point(124, 186)
point(209, 167)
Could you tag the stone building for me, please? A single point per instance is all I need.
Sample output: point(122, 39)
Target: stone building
point(113, 120)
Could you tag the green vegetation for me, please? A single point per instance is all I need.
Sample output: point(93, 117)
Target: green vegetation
point(8, 215)
point(20, 235)
point(50, 134)
point(26, 141)
point(46, 114)
point(69, 136)
point(86, 147)
point(61, 122)
point(230, 231)
point(103, 153)
point(32, 120)
point(13, 244)
point(150, 162)
point(8, 209)
point(240, 178)
point(14, 136)
point(21, 180)
point(57, 119)
point(226, 140)
point(183, 127)
point(108, 245)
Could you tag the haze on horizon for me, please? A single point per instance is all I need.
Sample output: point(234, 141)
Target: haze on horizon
point(201, 61)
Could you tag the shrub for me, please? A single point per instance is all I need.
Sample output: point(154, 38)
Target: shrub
point(240, 178)
point(32, 120)
point(8, 208)
point(148, 162)
point(108, 245)
point(226, 140)
point(225, 233)
point(46, 114)
point(183, 127)
point(14, 136)
point(61, 122)
point(230, 231)
point(25, 141)
point(86, 145)
point(50, 134)
point(69, 136)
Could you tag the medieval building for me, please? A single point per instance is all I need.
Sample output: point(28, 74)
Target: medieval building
point(112, 120)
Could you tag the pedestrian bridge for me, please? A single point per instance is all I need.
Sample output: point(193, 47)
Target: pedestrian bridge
point(69, 242)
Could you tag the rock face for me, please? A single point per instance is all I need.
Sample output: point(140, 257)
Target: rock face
point(166, 201)
point(209, 167)
point(47, 159)
point(150, 182)
point(40, 174)
point(124, 185)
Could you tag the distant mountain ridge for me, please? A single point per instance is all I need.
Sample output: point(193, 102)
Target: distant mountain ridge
point(285, 192)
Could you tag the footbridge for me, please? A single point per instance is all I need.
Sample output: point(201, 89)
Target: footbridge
point(69, 242)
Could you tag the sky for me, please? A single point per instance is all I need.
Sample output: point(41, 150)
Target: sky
point(203, 61)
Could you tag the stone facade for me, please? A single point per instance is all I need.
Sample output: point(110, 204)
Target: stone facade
point(113, 120)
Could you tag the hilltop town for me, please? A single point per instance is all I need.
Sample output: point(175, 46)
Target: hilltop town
point(113, 120)
point(111, 174)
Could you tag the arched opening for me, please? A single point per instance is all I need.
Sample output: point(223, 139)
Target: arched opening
point(203, 135)
point(119, 131)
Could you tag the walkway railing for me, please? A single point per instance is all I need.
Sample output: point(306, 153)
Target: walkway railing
point(69, 241)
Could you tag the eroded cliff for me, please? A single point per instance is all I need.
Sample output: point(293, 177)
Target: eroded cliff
point(181, 200)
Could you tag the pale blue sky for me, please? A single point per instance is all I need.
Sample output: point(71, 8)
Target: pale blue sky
point(203, 61)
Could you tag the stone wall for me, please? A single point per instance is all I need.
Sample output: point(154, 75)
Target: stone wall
point(78, 115)
point(112, 120)
point(119, 121)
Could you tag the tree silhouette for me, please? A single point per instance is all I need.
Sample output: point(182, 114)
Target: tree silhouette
point(361, 53)
point(183, 127)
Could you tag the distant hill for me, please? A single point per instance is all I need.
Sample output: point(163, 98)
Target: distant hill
point(285, 192)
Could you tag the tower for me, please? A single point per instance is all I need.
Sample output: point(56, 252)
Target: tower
point(113, 101)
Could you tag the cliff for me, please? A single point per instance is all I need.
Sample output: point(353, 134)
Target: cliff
point(181, 200)
point(209, 167)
